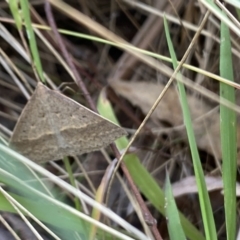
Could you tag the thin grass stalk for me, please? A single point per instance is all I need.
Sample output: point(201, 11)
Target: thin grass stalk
point(228, 132)
point(205, 205)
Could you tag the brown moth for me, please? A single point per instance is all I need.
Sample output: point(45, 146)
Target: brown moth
point(52, 126)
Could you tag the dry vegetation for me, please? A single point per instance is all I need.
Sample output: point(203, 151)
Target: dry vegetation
point(132, 86)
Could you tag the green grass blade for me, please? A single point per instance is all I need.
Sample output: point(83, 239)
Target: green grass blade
point(72, 181)
point(228, 134)
point(205, 205)
point(31, 37)
point(13, 4)
point(174, 223)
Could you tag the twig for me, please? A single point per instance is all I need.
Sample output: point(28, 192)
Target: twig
point(67, 56)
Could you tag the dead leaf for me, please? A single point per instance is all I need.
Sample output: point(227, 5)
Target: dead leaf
point(206, 124)
point(188, 185)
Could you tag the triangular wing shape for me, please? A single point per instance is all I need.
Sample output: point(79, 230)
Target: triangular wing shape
point(52, 126)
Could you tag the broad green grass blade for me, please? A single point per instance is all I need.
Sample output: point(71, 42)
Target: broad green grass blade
point(173, 220)
point(145, 182)
point(31, 37)
point(206, 209)
point(105, 109)
point(228, 134)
